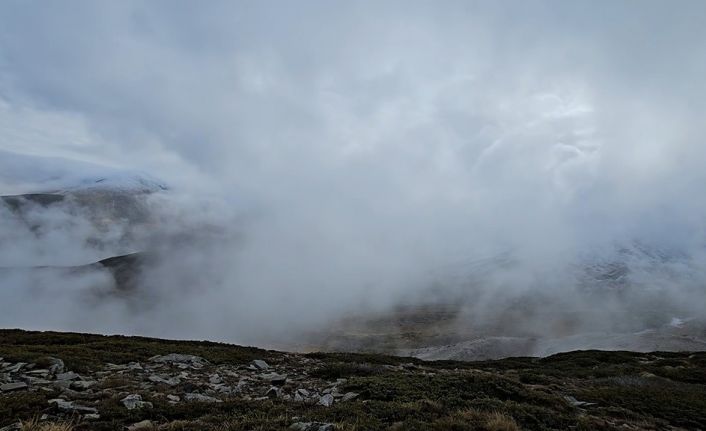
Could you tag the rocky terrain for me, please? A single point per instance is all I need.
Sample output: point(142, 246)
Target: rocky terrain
point(51, 380)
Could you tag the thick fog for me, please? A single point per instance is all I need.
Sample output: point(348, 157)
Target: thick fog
point(325, 159)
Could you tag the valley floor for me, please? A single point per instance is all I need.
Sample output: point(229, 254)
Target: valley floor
point(94, 382)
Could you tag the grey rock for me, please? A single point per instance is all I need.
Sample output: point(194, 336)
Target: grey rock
point(13, 427)
point(192, 396)
point(326, 400)
point(115, 367)
point(274, 378)
point(56, 366)
point(61, 384)
point(14, 368)
point(82, 385)
point(311, 426)
point(260, 364)
point(173, 398)
point(134, 401)
point(349, 396)
point(70, 375)
point(576, 403)
point(16, 386)
point(36, 381)
point(70, 406)
point(273, 392)
point(222, 388)
point(177, 358)
point(40, 372)
point(87, 395)
point(134, 366)
point(215, 379)
point(171, 381)
point(142, 425)
point(92, 416)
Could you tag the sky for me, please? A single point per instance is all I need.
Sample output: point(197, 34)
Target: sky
point(368, 142)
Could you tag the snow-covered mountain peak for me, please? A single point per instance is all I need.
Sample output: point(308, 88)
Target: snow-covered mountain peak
point(23, 173)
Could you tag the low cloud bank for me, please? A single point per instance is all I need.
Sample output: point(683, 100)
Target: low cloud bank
point(540, 163)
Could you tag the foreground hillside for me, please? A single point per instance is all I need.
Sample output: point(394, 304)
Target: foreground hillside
point(108, 383)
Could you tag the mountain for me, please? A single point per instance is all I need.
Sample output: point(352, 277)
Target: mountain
point(49, 201)
point(28, 174)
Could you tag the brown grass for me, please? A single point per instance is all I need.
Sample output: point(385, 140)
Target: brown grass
point(500, 422)
point(35, 425)
point(488, 421)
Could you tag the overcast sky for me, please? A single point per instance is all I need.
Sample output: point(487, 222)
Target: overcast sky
point(411, 130)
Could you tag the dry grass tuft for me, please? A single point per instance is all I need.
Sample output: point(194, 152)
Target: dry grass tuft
point(497, 421)
point(36, 425)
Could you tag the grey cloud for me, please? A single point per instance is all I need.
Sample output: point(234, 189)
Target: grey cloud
point(360, 145)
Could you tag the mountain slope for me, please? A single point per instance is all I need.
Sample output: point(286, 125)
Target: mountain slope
point(223, 387)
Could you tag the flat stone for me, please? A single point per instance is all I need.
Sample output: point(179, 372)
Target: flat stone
point(134, 401)
point(36, 381)
point(576, 403)
point(192, 396)
point(92, 416)
point(349, 396)
point(222, 388)
point(142, 425)
point(82, 385)
point(274, 378)
point(14, 368)
point(177, 358)
point(16, 386)
point(61, 384)
point(70, 406)
point(260, 364)
point(67, 376)
point(171, 381)
point(173, 398)
point(115, 367)
point(135, 366)
point(311, 426)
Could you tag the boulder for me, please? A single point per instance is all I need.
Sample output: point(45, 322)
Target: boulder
point(56, 366)
point(326, 400)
